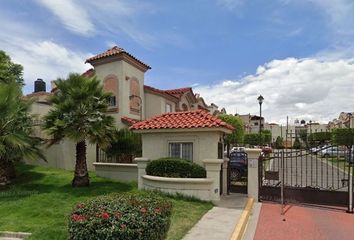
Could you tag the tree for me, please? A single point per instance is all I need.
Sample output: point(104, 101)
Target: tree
point(9, 71)
point(279, 143)
point(15, 130)
point(266, 136)
point(343, 136)
point(78, 113)
point(319, 138)
point(125, 145)
point(297, 143)
point(252, 139)
point(236, 137)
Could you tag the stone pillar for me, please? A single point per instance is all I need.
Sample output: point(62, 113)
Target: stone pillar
point(213, 167)
point(224, 176)
point(142, 163)
point(252, 178)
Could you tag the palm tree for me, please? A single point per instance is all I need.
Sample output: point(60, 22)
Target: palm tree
point(78, 113)
point(16, 140)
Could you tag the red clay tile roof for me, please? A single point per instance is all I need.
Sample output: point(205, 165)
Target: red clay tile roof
point(89, 73)
point(160, 92)
point(129, 121)
point(114, 51)
point(191, 119)
point(179, 91)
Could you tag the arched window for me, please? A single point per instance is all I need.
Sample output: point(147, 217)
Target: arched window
point(135, 100)
point(184, 107)
point(110, 84)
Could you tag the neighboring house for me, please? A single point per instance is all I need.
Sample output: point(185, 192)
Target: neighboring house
point(251, 122)
point(123, 75)
point(344, 119)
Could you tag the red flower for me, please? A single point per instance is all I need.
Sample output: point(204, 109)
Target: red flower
point(123, 226)
point(79, 205)
point(143, 210)
point(77, 218)
point(157, 210)
point(104, 216)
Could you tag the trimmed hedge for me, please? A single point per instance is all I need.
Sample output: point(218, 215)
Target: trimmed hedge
point(121, 216)
point(177, 168)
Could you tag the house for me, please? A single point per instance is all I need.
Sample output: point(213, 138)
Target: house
point(123, 75)
point(251, 122)
point(345, 119)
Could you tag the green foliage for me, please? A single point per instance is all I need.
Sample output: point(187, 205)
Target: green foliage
point(279, 143)
point(297, 143)
point(343, 136)
point(303, 135)
point(319, 138)
point(266, 136)
point(255, 139)
point(237, 135)
point(125, 145)
point(121, 216)
point(78, 112)
point(178, 168)
point(16, 140)
point(9, 71)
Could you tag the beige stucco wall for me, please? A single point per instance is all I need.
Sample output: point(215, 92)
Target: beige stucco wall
point(117, 171)
point(205, 144)
point(156, 105)
point(124, 72)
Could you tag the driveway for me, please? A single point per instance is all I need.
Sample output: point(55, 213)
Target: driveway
point(303, 223)
point(306, 170)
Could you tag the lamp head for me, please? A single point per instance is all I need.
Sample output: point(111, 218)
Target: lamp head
point(260, 99)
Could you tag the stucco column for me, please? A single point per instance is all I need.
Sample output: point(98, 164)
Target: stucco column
point(213, 167)
point(224, 176)
point(142, 163)
point(252, 178)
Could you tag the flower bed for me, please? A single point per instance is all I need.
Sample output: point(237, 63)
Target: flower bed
point(121, 216)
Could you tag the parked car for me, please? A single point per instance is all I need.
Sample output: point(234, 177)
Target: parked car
point(332, 151)
point(238, 165)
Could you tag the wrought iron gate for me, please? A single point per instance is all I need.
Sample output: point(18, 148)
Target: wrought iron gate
point(314, 176)
point(237, 172)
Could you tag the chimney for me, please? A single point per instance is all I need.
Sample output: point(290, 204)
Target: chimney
point(39, 85)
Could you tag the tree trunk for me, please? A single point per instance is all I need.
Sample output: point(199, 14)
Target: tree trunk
point(81, 178)
point(3, 172)
point(11, 170)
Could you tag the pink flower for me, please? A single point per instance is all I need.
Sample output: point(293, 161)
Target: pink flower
point(157, 210)
point(143, 210)
point(79, 205)
point(123, 226)
point(77, 218)
point(104, 216)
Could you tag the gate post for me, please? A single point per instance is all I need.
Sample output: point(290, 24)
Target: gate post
point(225, 176)
point(253, 172)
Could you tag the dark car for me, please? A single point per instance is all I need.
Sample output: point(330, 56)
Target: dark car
point(238, 165)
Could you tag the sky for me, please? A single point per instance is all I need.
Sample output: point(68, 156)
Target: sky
point(299, 54)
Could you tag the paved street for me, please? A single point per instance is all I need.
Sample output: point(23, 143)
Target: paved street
point(305, 170)
point(303, 223)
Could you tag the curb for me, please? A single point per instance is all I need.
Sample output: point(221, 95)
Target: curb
point(242, 223)
point(15, 235)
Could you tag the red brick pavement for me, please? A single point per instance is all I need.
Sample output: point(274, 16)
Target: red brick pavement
point(303, 223)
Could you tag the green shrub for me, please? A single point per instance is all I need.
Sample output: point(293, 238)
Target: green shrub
point(178, 168)
point(121, 216)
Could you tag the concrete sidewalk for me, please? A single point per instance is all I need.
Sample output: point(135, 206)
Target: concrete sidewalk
point(219, 223)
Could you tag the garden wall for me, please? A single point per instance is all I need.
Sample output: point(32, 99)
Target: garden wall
point(117, 171)
point(201, 188)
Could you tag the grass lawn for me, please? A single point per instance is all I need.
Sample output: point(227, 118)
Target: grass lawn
point(41, 199)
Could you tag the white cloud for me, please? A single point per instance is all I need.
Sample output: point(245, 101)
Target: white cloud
point(40, 57)
point(300, 88)
point(72, 15)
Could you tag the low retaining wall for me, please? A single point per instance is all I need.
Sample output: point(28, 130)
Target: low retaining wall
point(117, 171)
point(201, 188)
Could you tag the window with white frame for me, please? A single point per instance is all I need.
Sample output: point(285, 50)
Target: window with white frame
point(183, 150)
point(168, 108)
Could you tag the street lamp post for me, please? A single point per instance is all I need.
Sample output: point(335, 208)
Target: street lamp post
point(260, 101)
point(350, 173)
point(140, 104)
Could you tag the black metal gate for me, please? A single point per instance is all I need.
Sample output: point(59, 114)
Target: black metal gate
point(314, 176)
